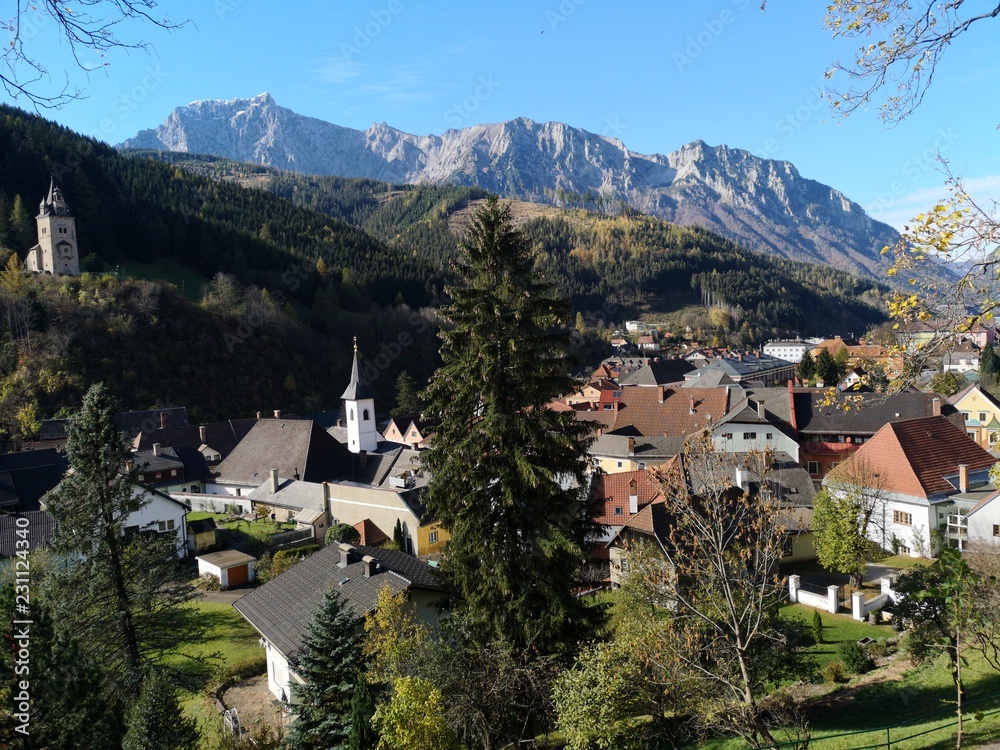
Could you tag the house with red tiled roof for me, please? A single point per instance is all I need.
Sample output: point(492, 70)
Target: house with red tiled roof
point(615, 500)
point(929, 475)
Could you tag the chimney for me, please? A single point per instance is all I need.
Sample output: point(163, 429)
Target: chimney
point(129, 463)
point(156, 449)
point(258, 416)
point(348, 554)
point(274, 480)
point(691, 409)
point(740, 356)
point(371, 565)
point(633, 497)
point(663, 390)
point(936, 406)
point(362, 459)
point(295, 475)
point(963, 477)
point(760, 410)
point(277, 413)
point(202, 434)
point(163, 420)
point(326, 497)
point(415, 446)
point(631, 446)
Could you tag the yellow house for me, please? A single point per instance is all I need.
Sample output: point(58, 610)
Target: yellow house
point(431, 539)
point(981, 412)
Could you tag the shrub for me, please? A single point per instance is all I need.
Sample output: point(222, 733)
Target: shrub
point(817, 627)
point(342, 532)
point(855, 658)
point(878, 649)
point(834, 672)
point(212, 582)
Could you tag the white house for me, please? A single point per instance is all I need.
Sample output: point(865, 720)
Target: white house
point(927, 475)
point(282, 608)
point(790, 351)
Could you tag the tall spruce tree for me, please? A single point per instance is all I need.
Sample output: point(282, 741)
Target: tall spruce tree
point(826, 367)
point(155, 720)
point(505, 470)
point(329, 662)
point(121, 593)
point(362, 735)
point(807, 366)
point(988, 361)
point(407, 404)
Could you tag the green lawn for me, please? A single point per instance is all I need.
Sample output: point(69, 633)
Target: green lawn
point(187, 281)
point(258, 529)
point(232, 649)
point(905, 562)
point(836, 630)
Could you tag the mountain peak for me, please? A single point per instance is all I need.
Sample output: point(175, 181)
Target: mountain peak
point(761, 203)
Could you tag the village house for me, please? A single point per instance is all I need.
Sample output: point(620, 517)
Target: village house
point(281, 609)
point(926, 476)
point(964, 358)
point(215, 440)
point(980, 411)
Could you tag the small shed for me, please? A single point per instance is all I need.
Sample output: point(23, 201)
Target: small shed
point(230, 566)
point(201, 534)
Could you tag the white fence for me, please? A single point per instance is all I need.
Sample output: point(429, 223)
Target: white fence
point(828, 602)
point(206, 503)
point(860, 608)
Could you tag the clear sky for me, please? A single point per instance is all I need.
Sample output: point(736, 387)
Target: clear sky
point(654, 74)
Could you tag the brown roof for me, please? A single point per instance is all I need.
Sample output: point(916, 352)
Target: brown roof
point(614, 490)
point(913, 456)
point(681, 412)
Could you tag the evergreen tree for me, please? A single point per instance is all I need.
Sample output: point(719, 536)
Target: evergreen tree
point(122, 593)
point(505, 470)
point(807, 366)
point(68, 710)
point(329, 658)
point(23, 232)
point(826, 367)
point(155, 720)
point(397, 536)
point(406, 397)
point(988, 361)
point(362, 735)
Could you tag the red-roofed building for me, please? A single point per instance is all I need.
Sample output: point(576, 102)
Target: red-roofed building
point(930, 475)
point(616, 499)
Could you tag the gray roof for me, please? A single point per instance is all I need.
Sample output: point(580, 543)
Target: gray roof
point(166, 460)
point(282, 608)
point(647, 447)
point(708, 378)
point(658, 372)
point(744, 368)
point(868, 416)
point(41, 526)
point(227, 558)
point(358, 388)
point(294, 494)
point(25, 477)
point(290, 446)
point(222, 436)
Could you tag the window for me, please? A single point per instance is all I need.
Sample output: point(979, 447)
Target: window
point(984, 417)
point(619, 464)
point(996, 529)
point(432, 537)
point(609, 407)
point(162, 526)
point(618, 510)
point(769, 436)
point(642, 465)
point(173, 472)
point(904, 550)
point(966, 416)
point(44, 230)
point(902, 518)
point(350, 415)
point(749, 435)
point(364, 416)
point(413, 433)
point(813, 467)
point(158, 475)
point(727, 436)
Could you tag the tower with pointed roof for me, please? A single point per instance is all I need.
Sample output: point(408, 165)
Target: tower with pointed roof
point(359, 402)
point(56, 252)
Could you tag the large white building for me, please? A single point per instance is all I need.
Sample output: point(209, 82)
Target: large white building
point(790, 351)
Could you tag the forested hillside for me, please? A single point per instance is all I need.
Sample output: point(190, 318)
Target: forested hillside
point(306, 264)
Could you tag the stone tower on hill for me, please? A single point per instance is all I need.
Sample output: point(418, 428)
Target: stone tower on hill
point(56, 252)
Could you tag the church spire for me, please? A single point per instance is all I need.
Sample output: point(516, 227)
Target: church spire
point(358, 388)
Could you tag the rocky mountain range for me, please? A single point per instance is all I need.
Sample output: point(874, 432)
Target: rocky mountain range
point(764, 204)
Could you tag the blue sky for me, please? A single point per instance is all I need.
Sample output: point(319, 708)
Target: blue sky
point(654, 74)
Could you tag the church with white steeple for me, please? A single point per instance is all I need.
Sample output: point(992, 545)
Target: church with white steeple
point(359, 403)
point(56, 252)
